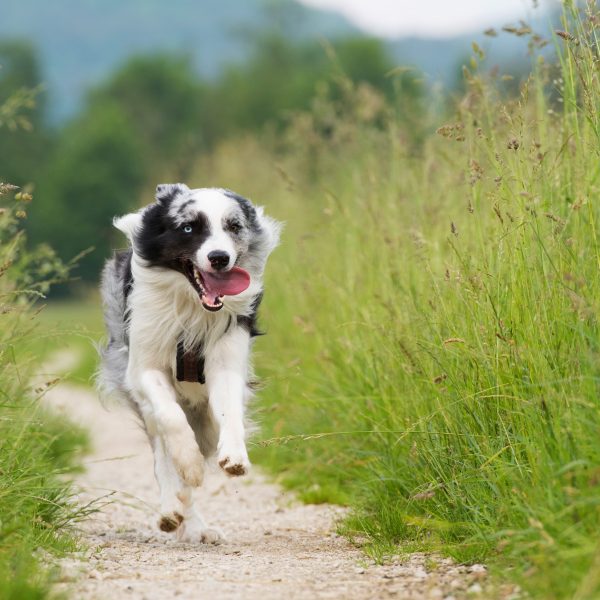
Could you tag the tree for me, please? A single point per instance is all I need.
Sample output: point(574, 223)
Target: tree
point(162, 98)
point(24, 140)
point(95, 173)
point(281, 77)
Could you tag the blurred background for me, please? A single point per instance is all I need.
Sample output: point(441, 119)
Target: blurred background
point(433, 306)
point(120, 95)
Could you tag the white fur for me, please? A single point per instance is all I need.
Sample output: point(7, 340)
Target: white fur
point(128, 224)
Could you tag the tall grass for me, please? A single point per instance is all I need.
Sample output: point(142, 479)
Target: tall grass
point(37, 450)
point(434, 311)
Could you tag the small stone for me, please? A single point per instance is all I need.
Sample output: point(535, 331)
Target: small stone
point(475, 589)
point(477, 569)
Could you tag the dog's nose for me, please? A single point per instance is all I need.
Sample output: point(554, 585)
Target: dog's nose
point(218, 259)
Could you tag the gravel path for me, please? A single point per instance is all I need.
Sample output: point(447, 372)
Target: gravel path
point(276, 547)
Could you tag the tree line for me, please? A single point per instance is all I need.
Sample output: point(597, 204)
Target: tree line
point(153, 117)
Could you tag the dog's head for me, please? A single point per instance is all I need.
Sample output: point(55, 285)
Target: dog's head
point(214, 237)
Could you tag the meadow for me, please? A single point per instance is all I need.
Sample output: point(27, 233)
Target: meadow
point(432, 348)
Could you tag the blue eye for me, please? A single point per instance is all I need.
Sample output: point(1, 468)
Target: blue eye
point(187, 229)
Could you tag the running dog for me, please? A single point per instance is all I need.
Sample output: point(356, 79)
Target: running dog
point(180, 307)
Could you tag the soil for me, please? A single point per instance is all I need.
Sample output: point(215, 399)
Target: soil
point(276, 547)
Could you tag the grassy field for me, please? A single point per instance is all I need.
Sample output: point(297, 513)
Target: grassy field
point(66, 336)
point(432, 357)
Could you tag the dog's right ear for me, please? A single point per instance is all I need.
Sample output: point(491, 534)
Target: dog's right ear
point(128, 224)
point(165, 192)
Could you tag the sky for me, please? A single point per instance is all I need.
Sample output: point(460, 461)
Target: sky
point(428, 18)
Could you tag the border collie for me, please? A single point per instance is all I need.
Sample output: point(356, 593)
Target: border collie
point(180, 308)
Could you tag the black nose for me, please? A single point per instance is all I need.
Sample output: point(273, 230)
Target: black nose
point(218, 259)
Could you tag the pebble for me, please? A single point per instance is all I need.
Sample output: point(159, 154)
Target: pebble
point(94, 574)
point(477, 569)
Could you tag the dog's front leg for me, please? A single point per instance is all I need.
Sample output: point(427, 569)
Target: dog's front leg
point(177, 509)
point(163, 417)
point(226, 370)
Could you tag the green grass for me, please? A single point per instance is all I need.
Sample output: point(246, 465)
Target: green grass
point(66, 335)
point(434, 310)
point(38, 451)
point(36, 504)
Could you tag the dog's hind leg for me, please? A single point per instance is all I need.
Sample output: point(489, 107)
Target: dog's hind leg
point(177, 510)
point(172, 488)
point(194, 528)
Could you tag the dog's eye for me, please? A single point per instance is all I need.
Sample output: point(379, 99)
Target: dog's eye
point(187, 228)
point(233, 226)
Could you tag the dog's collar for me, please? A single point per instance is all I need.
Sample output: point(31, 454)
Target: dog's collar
point(190, 364)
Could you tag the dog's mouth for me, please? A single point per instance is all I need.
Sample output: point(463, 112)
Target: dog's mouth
point(211, 287)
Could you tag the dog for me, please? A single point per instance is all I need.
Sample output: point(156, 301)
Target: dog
point(180, 308)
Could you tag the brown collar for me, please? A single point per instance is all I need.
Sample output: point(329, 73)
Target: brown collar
point(190, 365)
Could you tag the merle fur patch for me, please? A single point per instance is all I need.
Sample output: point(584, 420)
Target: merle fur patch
point(166, 192)
point(247, 209)
point(162, 242)
point(250, 322)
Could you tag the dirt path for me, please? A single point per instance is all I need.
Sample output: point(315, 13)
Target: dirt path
point(276, 547)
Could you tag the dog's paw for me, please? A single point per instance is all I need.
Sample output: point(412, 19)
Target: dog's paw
point(189, 463)
point(235, 468)
point(170, 522)
point(234, 461)
point(191, 532)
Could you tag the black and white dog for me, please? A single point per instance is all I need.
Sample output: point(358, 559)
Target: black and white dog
point(180, 308)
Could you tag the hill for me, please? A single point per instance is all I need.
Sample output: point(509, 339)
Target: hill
point(81, 42)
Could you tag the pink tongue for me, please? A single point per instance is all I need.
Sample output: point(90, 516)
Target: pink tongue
point(231, 283)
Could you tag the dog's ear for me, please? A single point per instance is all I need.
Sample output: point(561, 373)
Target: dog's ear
point(128, 224)
point(247, 207)
point(165, 192)
point(270, 228)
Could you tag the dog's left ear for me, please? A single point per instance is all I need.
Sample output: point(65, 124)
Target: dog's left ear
point(166, 192)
